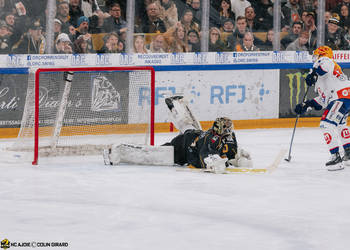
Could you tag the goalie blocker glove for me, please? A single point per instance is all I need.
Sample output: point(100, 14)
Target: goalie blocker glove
point(301, 108)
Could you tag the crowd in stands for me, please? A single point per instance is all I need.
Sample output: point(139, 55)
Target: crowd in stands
point(168, 26)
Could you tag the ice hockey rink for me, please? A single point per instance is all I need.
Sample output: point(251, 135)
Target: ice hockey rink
point(79, 200)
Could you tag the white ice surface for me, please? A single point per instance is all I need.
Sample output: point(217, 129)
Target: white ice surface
point(299, 206)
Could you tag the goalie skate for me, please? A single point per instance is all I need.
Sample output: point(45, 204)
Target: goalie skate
point(106, 159)
point(180, 114)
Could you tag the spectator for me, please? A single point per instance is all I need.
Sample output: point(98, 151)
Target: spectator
point(121, 46)
point(188, 22)
point(97, 22)
point(139, 45)
point(225, 11)
point(177, 39)
point(5, 46)
point(168, 12)
point(153, 23)
point(335, 36)
point(252, 23)
point(63, 16)
point(215, 43)
point(63, 44)
point(268, 44)
point(264, 12)
point(158, 44)
point(114, 23)
point(197, 11)
point(193, 41)
point(237, 36)
point(291, 12)
point(344, 17)
point(228, 26)
point(75, 11)
point(16, 26)
point(308, 4)
point(304, 16)
point(327, 16)
point(293, 34)
point(110, 43)
point(300, 43)
point(310, 26)
point(81, 46)
point(32, 42)
point(82, 28)
point(238, 7)
point(337, 9)
point(57, 28)
point(247, 44)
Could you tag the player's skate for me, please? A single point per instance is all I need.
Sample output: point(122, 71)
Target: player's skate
point(106, 154)
point(335, 163)
point(180, 114)
point(346, 157)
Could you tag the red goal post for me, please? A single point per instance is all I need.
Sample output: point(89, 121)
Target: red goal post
point(94, 70)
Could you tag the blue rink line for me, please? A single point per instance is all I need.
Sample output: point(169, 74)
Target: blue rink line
point(19, 71)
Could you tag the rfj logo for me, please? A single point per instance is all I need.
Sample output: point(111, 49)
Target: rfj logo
point(126, 59)
point(200, 58)
point(15, 60)
point(104, 95)
point(5, 244)
point(103, 59)
point(177, 58)
point(221, 58)
point(78, 60)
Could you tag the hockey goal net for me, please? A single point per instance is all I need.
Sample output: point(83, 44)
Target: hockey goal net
point(80, 111)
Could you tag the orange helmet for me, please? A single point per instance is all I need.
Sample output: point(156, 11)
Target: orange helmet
point(323, 51)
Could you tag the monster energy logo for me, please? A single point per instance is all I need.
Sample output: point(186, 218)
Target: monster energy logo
point(298, 84)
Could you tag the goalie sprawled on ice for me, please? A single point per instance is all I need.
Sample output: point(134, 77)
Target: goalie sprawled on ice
point(214, 149)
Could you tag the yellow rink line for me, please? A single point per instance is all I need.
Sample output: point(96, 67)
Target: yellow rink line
point(165, 127)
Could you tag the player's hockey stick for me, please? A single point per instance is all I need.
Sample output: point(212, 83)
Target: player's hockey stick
point(295, 125)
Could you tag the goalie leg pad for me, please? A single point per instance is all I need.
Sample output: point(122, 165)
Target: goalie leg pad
point(142, 154)
point(180, 114)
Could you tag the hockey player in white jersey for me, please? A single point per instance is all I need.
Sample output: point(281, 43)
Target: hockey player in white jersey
point(333, 89)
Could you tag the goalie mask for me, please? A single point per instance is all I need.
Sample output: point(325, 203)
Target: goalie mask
point(222, 126)
point(322, 51)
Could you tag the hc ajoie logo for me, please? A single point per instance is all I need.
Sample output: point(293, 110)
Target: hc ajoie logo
point(5, 244)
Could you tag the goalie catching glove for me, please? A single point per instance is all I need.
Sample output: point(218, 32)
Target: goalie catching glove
point(215, 163)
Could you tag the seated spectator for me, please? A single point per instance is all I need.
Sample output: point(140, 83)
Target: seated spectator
point(153, 23)
point(268, 44)
point(63, 44)
point(228, 26)
point(264, 12)
point(81, 46)
point(16, 26)
point(188, 22)
point(57, 28)
point(114, 23)
point(121, 46)
point(215, 43)
point(238, 7)
point(193, 41)
point(225, 11)
point(253, 24)
point(110, 43)
point(247, 43)
point(344, 16)
point(196, 10)
point(158, 44)
point(293, 34)
point(291, 12)
point(63, 16)
point(82, 30)
point(177, 39)
point(334, 37)
point(168, 12)
point(327, 16)
point(337, 9)
point(304, 16)
point(139, 45)
point(97, 22)
point(32, 42)
point(237, 35)
point(310, 26)
point(5, 46)
point(300, 43)
point(75, 12)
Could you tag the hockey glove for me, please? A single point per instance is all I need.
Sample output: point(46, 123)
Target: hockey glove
point(311, 78)
point(301, 108)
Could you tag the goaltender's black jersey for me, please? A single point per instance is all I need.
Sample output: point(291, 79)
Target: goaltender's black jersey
point(194, 146)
